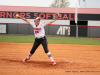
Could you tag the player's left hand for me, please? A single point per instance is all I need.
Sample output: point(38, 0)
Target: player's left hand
point(56, 15)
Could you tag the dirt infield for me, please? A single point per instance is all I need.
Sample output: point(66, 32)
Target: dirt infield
point(85, 60)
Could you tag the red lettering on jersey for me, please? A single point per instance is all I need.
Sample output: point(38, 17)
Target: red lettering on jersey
point(65, 16)
point(37, 28)
point(60, 16)
point(2, 14)
point(70, 17)
point(22, 15)
point(35, 15)
point(28, 15)
point(15, 14)
point(41, 15)
point(9, 14)
point(48, 15)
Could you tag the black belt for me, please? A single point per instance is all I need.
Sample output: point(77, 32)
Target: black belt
point(39, 37)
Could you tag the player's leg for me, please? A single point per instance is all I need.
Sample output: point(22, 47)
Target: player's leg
point(45, 46)
point(35, 46)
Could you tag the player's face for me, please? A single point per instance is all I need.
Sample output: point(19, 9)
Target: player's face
point(37, 21)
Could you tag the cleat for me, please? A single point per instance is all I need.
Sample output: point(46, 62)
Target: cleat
point(25, 60)
point(54, 63)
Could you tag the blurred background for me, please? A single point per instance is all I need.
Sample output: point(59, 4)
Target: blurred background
point(88, 20)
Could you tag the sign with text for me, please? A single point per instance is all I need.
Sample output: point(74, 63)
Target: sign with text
point(63, 16)
point(33, 15)
point(2, 28)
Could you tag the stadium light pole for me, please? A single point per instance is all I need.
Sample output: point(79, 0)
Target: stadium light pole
point(84, 3)
point(76, 15)
point(59, 3)
point(79, 2)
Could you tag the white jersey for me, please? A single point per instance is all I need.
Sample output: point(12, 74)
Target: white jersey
point(39, 30)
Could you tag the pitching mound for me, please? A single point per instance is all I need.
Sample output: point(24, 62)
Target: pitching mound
point(70, 59)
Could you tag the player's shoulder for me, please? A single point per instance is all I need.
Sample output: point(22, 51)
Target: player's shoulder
point(32, 23)
point(42, 24)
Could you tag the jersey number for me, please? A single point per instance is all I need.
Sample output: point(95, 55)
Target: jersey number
point(36, 32)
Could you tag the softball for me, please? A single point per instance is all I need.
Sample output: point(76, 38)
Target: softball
point(17, 15)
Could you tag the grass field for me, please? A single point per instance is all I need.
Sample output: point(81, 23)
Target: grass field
point(51, 39)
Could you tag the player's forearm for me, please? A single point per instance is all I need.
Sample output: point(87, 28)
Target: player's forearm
point(24, 19)
point(51, 22)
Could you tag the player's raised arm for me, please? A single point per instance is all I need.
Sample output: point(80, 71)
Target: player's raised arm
point(23, 18)
point(55, 18)
point(51, 22)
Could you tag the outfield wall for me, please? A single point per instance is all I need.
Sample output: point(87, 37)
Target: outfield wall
point(49, 30)
point(86, 16)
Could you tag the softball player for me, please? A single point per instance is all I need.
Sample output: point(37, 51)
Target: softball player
point(39, 37)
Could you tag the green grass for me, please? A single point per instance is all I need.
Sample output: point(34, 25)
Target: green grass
point(51, 39)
